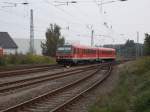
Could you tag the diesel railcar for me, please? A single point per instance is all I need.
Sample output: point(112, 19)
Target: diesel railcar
point(74, 54)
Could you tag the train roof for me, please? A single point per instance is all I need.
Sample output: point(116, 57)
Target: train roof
point(89, 47)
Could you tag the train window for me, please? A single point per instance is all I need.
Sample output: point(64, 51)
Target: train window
point(86, 51)
point(107, 52)
point(65, 49)
point(77, 50)
point(93, 51)
point(74, 51)
point(80, 51)
point(110, 52)
point(90, 51)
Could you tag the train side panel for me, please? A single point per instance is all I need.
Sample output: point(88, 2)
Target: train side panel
point(80, 54)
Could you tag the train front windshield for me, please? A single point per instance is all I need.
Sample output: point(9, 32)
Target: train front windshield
point(64, 50)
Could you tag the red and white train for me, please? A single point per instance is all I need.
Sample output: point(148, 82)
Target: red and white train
point(74, 54)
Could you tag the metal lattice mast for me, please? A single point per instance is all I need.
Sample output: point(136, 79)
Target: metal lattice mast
point(31, 32)
point(92, 38)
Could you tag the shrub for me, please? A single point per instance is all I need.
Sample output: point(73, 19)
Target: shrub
point(142, 102)
point(18, 59)
point(2, 61)
point(132, 94)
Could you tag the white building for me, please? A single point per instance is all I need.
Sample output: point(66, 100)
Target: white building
point(24, 44)
point(7, 43)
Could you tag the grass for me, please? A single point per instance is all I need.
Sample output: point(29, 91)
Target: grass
point(19, 59)
point(132, 93)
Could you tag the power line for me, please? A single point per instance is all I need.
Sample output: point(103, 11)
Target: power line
point(70, 15)
point(64, 11)
point(12, 13)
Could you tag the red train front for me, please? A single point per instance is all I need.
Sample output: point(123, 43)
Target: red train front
point(74, 54)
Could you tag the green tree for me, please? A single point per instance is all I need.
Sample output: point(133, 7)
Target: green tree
point(53, 39)
point(147, 44)
point(129, 49)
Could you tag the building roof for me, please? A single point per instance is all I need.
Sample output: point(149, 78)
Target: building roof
point(6, 41)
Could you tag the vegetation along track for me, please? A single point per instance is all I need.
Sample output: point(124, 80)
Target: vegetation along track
point(26, 70)
point(13, 85)
point(59, 98)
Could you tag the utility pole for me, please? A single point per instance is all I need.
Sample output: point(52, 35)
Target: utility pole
point(92, 38)
point(101, 9)
point(31, 32)
point(137, 46)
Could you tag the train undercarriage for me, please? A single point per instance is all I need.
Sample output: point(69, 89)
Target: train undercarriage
point(71, 62)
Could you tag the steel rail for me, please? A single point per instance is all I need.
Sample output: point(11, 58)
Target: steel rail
point(70, 101)
point(34, 100)
point(4, 87)
point(28, 70)
point(18, 67)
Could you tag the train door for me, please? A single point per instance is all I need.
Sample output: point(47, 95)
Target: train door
point(80, 53)
point(98, 55)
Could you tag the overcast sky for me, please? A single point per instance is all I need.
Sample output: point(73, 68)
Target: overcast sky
point(118, 22)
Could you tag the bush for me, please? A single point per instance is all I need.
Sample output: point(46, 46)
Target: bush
point(132, 94)
point(2, 61)
point(19, 59)
point(142, 65)
point(142, 102)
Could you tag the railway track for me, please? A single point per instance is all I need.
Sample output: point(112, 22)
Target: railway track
point(31, 69)
point(13, 85)
point(19, 67)
point(27, 70)
point(60, 98)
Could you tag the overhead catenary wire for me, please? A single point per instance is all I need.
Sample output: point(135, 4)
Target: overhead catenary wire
point(79, 20)
point(67, 13)
point(70, 22)
point(76, 21)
